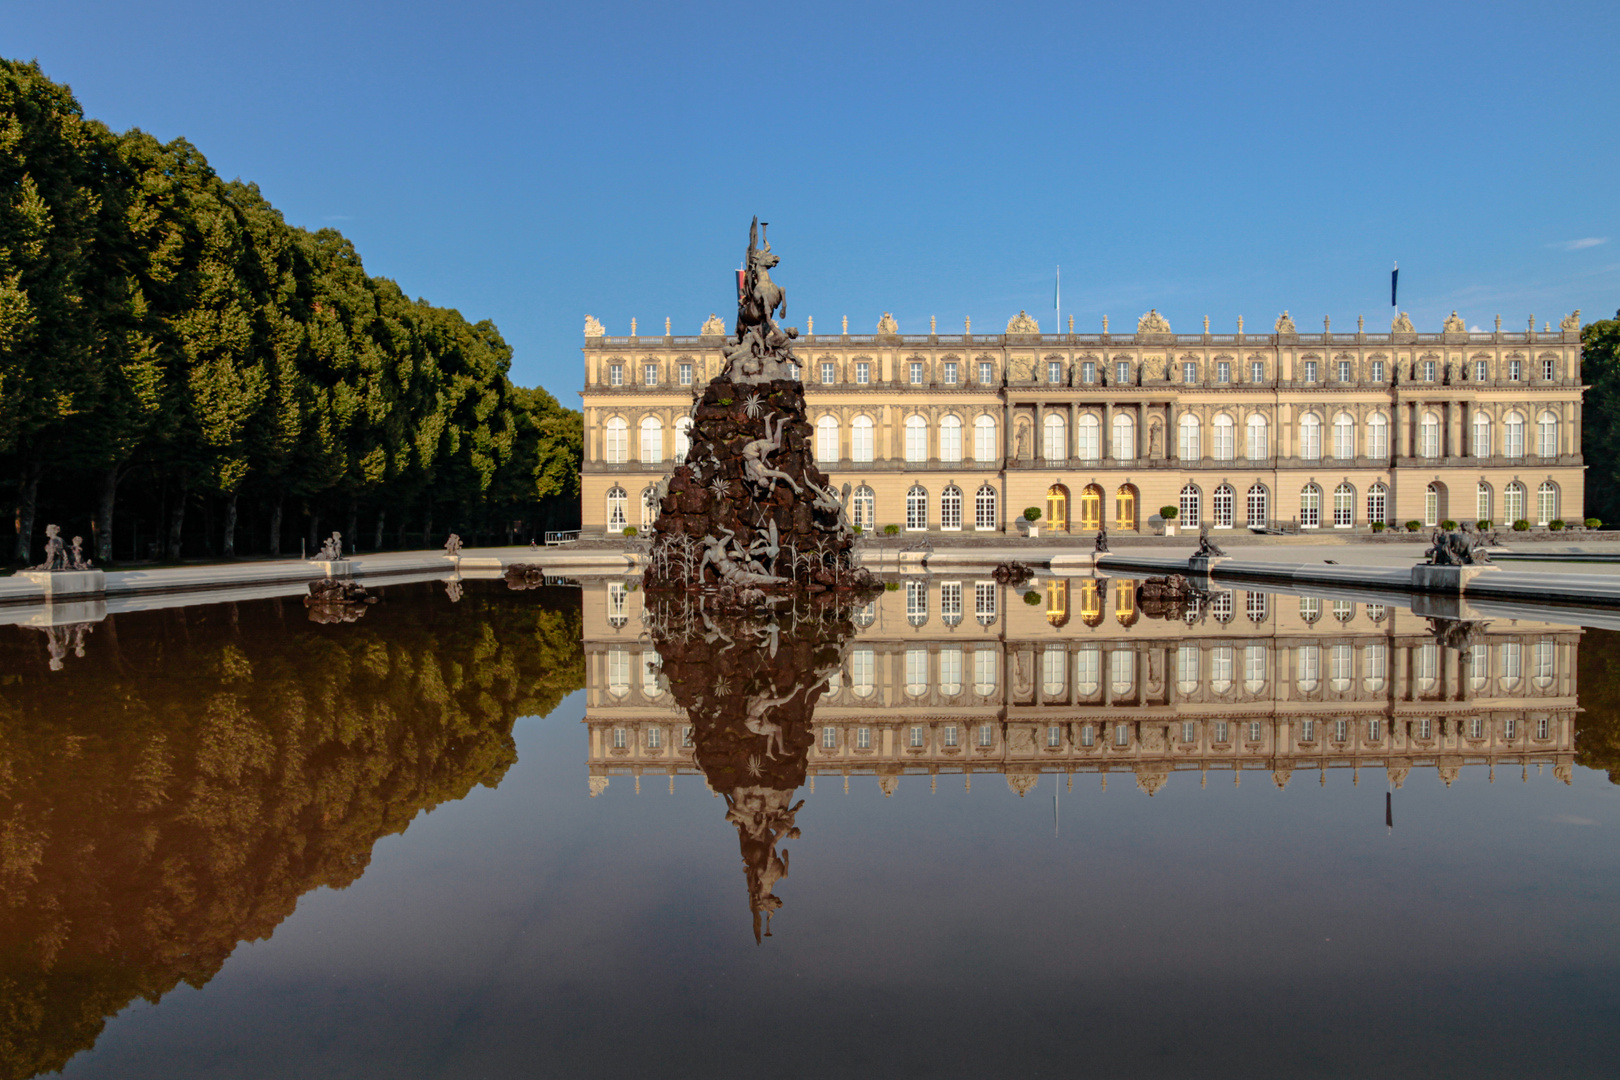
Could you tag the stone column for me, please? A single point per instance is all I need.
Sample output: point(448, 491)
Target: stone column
point(1106, 450)
point(1070, 440)
point(1039, 449)
point(1172, 445)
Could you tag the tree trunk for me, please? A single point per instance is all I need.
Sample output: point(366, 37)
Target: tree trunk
point(275, 528)
point(228, 547)
point(27, 497)
point(377, 542)
point(177, 521)
point(314, 533)
point(351, 535)
point(103, 524)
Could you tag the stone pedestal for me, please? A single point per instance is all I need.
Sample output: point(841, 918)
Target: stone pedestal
point(68, 612)
point(338, 568)
point(61, 584)
point(1446, 579)
point(1201, 565)
point(1444, 606)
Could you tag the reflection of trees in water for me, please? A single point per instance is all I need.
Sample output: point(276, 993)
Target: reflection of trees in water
point(749, 682)
point(1597, 726)
point(177, 791)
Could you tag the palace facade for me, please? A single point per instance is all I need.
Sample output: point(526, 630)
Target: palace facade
point(957, 675)
point(942, 433)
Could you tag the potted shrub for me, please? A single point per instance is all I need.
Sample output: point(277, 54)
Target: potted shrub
point(1032, 514)
point(891, 586)
point(1032, 598)
point(1378, 526)
point(1449, 525)
point(631, 530)
point(1593, 523)
point(1169, 514)
point(1556, 524)
point(1413, 526)
point(1482, 524)
point(891, 530)
point(1521, 526)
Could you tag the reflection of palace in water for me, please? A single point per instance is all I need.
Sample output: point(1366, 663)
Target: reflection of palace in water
point(965, 676)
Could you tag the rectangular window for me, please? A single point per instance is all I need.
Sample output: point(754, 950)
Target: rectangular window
point(1054, 372)
point(1222, 731)
point(829, 738)
point(915, 737)
point(1513, 370)
point(950, 734)
point(1122, 372)
point(1341, 730)
point(1223, 372)
point(1547, 369)
point(1122, 734)
point(827, 443)
point(655, 738)
point(1377, 371)
point(950, 373)
point(916, 602)
point(649, 374)
point(1310, 371)
point(916, 441)
point(1428, 371)
point(1375, 730)
point(1339, 667)
point(950, 671)
point(1510, 727)
point(987, 372)
point(615, 374)
point(1481, 371)
point(1088, 735)
point(860, 440)
point(1189, 731)
point(1344, 371)
point(1425, 728)
point(1307, 731)
point(984, 601)
point(1257, 371)
point(861, 665)
point(1054, 736)
point(863, 738)
point(986, 735)
point(826, 372)
point(1221, 660)
point(863, 373)
point(1088, 372)
point(950, 602)
point(686, 374)
point(1476, 728)
point(1254, 731)
point(916, 373)
point(1189, 372)
point(1307, 667)
point(984, 672)
point(1373, 661)
point(618, 738)
point(1542, 728)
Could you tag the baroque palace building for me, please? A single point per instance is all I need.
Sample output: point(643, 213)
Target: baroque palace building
point(942, 433)
point(958, 676)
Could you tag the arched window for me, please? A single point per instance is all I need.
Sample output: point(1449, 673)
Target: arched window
point(1259, 446)
point(1223, 448)
point(1124, 438)
point(1513, 435)
point(1344, 436)
point(864, 511)
point(1546, 502)
point(652, 441)
point(1057, 507)
point(916, 439)
point(984, 508)
point(617, 450)
point(1377, 503)
point(683, 438)
point(1125, 507)
point(1090, 445)
point(617, 505)
point(1188, 446)
point(1482, 502)
point(1378, 435)
point(1310, 437)
point(1221, 506)
point(1344, 506)
point(1258, 505)
point(916, 508)
point(1547, 434)
point(1091, 508)
point(860, 439)
point(1513, 503)
point(950, 439)
point(985, 449)
point(1482, 434)
point(950, 508)
point(1429, 436)
point(1432, 508)
point(1190, 505)
point(1055, 436)
point(827, 440)
point(1310, 507)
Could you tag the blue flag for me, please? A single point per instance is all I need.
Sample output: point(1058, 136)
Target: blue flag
point(1394, 277)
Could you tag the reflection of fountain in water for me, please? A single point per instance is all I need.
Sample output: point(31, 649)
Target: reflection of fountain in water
point(749, 683)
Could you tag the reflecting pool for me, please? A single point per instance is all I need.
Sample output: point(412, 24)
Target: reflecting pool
point(1078, 826)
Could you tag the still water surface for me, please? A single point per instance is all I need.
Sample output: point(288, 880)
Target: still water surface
point(536, 833)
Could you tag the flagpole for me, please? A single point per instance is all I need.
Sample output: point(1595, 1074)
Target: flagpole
point(1057, 298)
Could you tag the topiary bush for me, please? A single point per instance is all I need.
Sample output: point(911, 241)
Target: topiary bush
point(1169, 512)
point(1378, 526)
point(891, 530)
point(1032, 514)
point(1032, 598)
point(631, 530)
point(891, 586)
point(1482, 524)
point(1556, 524)
point(857, 530)
point(1521, 526)
point(1413, 526)
point(1449, 525)
point(1594, 523)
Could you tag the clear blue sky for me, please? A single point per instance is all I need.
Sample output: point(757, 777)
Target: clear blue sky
point(530, 163)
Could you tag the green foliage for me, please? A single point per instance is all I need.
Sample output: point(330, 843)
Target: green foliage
point(1556, 524)
point(891, 586)
point(891, 530)
point(163, 325)
point(1482, 524)
point(1032, 513)
point(1378, 526)
point(1594, 523)
point(1600, 416)
point(1169, 513)
point(1413, 525)
point(631, 530)
point(1032, 598)
point(1448, 525)
point(1521, 526)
